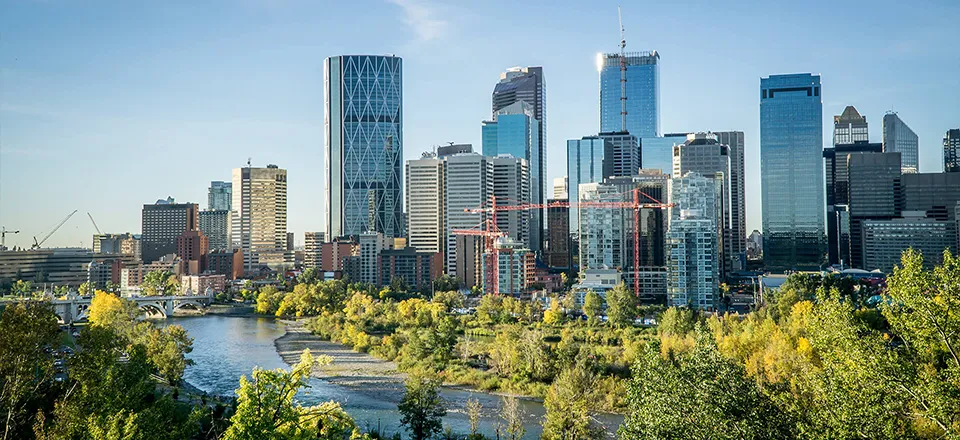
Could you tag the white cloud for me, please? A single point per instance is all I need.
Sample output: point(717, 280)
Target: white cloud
point(421, 16)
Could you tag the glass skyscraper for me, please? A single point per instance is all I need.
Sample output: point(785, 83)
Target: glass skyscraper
point(657, 151)
point(899, 138)
point(584, 165)
point(219, 196)
point(791, 171)
point(363, 134)
point(642, 93)
point(515, 131)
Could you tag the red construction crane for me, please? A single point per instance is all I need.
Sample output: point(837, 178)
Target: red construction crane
point(490, 233)
point(635, 205)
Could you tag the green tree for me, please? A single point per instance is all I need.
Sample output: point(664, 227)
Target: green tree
point(85, 288)
point(398, 284)
point(309, 275)
point(554, 315)
point(422, 409)
point(450, 299)
point(474, 412)
point(592, 307)
point(22, 289)
point(268, 300)
point(568, 404)
point(25, 370)
point(698, 394)
point(266, 408)
point(446, 283)
point(621, 306)
point(167, 348)
point(160, 283)
point(513, 417)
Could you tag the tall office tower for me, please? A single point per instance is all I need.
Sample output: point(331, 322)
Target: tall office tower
point(363, 140)
point(511, 186)
point(936, 194)
point(560, 185)
point(849, 127)
point(585, 164)
point(215, 225)
point(192, 248)
point(468, 184)
point(874, 194)
point(161, 224)
point(951, 151)
point(642, 93)
point(625, 155)
point(653, 222)
point(558, 236)
point(693, 243)
point(791, 171)
point(838, 198)
point(219, 196)
point(657, 151)
point(899, 138)
point(602, 236)
point(426, 229)
point(704, 155)
point(312, 249)
point(736, 239)
point(259, 222)
point(514, 130)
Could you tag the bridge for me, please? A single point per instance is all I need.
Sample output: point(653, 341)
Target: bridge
point(78, 308)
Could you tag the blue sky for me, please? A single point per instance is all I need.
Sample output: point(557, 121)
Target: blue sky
point(105, 106)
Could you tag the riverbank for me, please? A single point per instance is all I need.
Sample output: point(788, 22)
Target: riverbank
point(359, 371)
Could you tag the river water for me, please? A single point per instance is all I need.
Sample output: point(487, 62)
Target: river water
point(225, 348)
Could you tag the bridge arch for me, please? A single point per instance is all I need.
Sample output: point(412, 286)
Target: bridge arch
point(153, 310)
point(193, 305)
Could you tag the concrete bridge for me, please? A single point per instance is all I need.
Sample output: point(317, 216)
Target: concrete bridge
point(77, 309)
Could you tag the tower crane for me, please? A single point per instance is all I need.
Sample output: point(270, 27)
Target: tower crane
point(623, 74)
point(94, 224)
point(3, 237)
point(490, 235)
point(636, 205)
point(36, 244)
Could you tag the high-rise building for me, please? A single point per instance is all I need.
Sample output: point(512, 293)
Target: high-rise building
point(642, 93)
point(585, 164)
point(885, 240)
point(371, 245)
point(560, 185)
point(693, 272)
point(363, 138)
point(416, 268)
point(192, 248)
point(227, 263)
point(259, 217)
point(791, 171)
point(528, 85)
point(838, 197)
point(874, 194)
point(899, 138)
point(558, 236)
point(468, 185)
point(624, 159)
point(850, 127)
point(703, 154)
point(511, 186)
point(936, 194)
point(516, 267)
point(736, 238)
point(657, 151)
point(514, 130)
point(425, 203)
point(653, 221)
point(602, 234)
point(215, 225)
point(162, 223)
point(332, 254)
point(219, 196)
point(951, 151)
point(312, 249)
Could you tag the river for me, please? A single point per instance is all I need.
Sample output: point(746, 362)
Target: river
point(224, 348)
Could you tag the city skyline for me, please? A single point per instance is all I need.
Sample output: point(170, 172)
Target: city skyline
point(72, 105)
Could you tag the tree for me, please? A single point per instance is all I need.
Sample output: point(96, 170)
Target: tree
point(512, 417)
point(568, 405)
point(109, 310)
point(85, 288)
point(25, 370)
point(450, 299)
point(555, 314)
point(446, 283)
point(167, 349)
point(309, 275)
point(592, 307)
point(160, 283)
point(698, 394)
point(22, 288)
point(474, 411)
point(268, 300)
point(266, 408)
point(621, 306)
point(399, 285)
point(422, 409)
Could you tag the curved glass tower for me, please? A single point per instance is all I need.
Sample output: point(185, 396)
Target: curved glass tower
point(363, 138)
point(791, 171)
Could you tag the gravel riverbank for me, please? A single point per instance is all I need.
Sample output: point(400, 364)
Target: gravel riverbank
point(360, 371)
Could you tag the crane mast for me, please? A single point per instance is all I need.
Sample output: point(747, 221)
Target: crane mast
point(623, 74)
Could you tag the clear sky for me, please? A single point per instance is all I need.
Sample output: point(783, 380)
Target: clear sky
point(105, 106)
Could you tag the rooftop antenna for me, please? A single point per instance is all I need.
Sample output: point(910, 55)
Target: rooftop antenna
point(623, 74)
point(248, 161)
